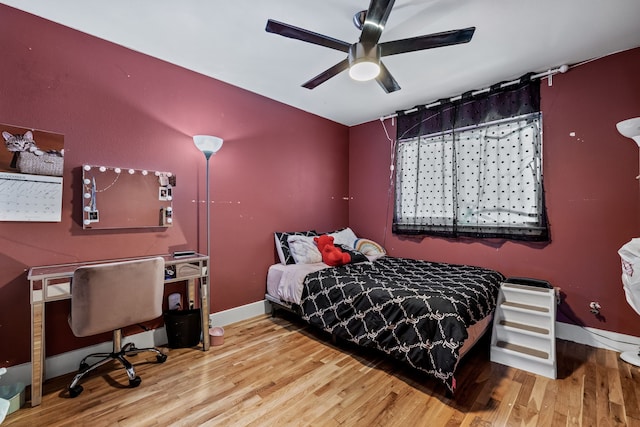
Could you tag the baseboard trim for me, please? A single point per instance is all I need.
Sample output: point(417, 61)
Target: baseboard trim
point(65, 363)
point(596, 337)
point(238, 314)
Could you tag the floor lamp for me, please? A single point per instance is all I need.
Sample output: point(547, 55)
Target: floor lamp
point(631, 129)
point(209, 145)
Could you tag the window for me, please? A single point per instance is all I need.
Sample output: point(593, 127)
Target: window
point(479, 180)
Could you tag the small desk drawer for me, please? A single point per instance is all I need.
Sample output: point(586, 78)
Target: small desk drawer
point(186, 270)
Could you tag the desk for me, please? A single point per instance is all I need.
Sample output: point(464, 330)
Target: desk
point(53, 283)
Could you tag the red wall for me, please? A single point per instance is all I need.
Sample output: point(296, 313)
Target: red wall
point(591, 191)
point(279, 169)
point(284, 169)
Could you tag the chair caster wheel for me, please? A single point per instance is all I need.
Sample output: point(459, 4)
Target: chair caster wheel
point(135, 382)
point(161, 358)
point(75, 391)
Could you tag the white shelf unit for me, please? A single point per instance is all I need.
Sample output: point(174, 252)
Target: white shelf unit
point(524, 334)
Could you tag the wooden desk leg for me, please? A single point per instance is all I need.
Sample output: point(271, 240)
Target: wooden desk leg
point(37, 352)
point(204, 307)
point(204, 303)
point(191, 293)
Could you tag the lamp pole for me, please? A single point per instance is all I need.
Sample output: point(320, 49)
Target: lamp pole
point(207, 155)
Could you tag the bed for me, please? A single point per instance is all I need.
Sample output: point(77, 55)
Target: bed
point(423, 313)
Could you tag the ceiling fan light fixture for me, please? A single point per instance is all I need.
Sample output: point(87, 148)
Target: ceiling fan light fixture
point(364, 62)
point(364, 71)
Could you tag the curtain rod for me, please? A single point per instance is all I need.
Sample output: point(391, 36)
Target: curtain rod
point(549, 73)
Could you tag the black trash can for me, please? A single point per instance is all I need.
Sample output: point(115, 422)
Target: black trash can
point(183, 327)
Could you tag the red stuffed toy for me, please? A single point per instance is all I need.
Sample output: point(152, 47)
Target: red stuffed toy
point(331, 255)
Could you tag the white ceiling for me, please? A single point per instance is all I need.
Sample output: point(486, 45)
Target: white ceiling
point(225, 39)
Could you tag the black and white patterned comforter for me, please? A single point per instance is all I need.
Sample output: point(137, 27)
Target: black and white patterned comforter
point(415, 311)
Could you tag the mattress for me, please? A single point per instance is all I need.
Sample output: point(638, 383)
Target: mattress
point(284, 282)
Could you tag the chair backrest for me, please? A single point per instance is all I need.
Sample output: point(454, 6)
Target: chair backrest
point(106, 297)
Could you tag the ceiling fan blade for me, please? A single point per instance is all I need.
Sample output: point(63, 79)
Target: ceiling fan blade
point(326, 75)
point(445, 38)
point(375, 20)
point(386, 80)
point(292, 32)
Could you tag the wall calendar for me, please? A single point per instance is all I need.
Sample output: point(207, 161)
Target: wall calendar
point(30, 197)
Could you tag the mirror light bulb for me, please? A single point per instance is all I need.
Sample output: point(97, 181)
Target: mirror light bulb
point(87, 181)
point(87, 167)
point(87, 208)
point(131, 171)
point(117, 170)
point(87, 222)
point(87, 195)
point(102, 169)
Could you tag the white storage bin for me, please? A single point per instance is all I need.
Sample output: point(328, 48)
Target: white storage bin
point(14, 394)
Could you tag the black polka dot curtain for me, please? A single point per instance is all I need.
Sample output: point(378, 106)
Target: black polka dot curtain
point(473, 167)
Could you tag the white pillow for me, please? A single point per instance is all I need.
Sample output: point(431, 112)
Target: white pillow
point(282, 245)
point(304, 250)
point(344, 237)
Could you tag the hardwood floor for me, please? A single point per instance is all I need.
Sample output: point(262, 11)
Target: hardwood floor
point(278, 371)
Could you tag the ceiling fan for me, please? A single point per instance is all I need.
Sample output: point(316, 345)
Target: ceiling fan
point(363, 57)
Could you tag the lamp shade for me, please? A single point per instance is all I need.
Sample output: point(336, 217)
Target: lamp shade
point(630, 128)
point(207, 144)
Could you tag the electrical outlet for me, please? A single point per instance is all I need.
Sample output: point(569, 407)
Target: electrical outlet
point(595, 307)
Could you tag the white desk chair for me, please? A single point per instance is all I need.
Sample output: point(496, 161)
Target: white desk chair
point(108, 297)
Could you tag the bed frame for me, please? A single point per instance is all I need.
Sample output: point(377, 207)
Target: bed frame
point(418, 318)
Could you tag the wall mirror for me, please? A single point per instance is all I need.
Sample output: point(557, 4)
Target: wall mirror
point(126, 198)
